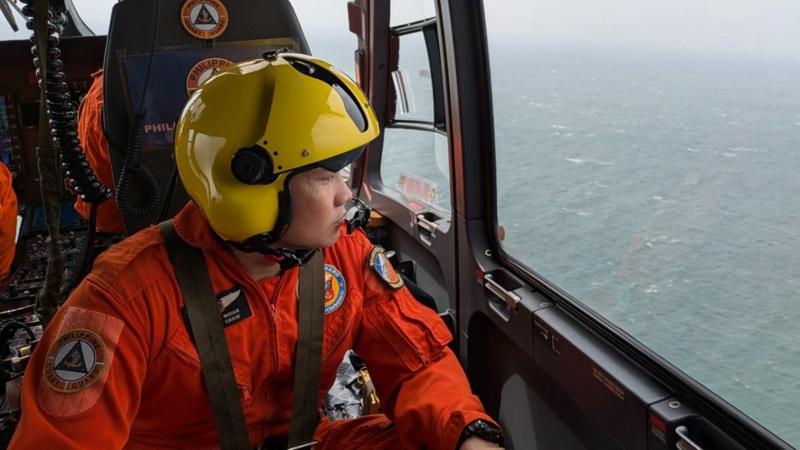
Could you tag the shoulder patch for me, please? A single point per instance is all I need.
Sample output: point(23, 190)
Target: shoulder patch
point(75, 361)
point(78, 361)
point(335, 289)
point(381, 265)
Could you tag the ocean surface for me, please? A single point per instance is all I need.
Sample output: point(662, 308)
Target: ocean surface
point(662, 190)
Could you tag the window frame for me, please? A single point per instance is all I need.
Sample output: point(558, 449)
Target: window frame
point(429, 28)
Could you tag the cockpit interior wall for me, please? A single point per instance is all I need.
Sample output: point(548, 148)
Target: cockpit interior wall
point(150, 75)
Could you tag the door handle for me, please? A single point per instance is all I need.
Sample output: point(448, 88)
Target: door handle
point(685, 443)
point(427, 225)
point(511, 299)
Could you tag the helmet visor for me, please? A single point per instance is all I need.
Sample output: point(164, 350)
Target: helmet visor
point(340, 161)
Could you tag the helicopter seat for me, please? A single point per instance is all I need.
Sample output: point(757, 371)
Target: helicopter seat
point(150, 75)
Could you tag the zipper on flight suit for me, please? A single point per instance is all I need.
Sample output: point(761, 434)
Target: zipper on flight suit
point(273, 316)
point(272, 302)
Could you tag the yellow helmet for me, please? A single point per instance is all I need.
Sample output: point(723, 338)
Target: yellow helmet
point(249, 128)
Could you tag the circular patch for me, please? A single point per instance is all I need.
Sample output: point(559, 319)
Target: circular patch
point(335, 289)
point(204, 19)
point(204, 70)
point(75, 360)
point(381, 265)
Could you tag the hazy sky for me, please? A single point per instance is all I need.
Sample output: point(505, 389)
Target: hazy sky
point(771, 26)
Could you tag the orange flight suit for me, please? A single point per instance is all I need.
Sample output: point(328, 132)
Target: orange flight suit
point(117, 367)
point(8, 221)
point(95, 148)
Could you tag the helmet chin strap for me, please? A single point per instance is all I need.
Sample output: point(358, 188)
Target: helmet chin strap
point(286, 257)
point(356, 216)
point(295, 257)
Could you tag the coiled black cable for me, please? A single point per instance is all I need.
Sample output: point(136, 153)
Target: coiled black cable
point(81, 180)
point(132, 167)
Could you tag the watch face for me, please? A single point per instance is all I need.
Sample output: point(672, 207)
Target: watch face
point(485, 430)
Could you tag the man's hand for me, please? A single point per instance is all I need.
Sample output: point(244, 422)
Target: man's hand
point(476, 443)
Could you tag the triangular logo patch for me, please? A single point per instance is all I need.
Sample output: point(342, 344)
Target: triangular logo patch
point(204, 17)
point(73, 360)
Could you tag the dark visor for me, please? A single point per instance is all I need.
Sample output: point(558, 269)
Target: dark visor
point(339, 162)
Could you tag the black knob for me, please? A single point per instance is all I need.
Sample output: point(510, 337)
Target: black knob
point(252, 165)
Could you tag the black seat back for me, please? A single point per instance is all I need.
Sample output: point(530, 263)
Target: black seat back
point(152, 62)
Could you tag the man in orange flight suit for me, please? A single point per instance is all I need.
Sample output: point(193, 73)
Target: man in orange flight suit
point(8, 221)
point(117, 367)
point(95, 148)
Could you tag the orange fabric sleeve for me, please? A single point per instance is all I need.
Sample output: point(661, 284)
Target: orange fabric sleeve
point(421, 384)
point(86, 400)
point(8, 221)
point(95, 148)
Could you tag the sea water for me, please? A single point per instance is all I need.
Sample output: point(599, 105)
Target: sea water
point(661, 190)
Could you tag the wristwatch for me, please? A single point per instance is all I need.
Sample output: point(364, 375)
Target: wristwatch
point(481, 429)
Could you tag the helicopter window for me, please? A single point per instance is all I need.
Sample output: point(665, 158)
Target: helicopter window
point(407, 11)
point(414, 163)
point(412, 80)
point(414, 159)
point(646, 165)
point(96, 14)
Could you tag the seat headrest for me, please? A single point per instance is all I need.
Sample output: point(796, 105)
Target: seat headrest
point(158, 52)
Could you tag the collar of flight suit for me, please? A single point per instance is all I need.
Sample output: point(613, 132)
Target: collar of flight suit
point(193, 228)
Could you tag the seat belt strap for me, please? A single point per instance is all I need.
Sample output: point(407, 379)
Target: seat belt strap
point(209, 337)
point(310, 323)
